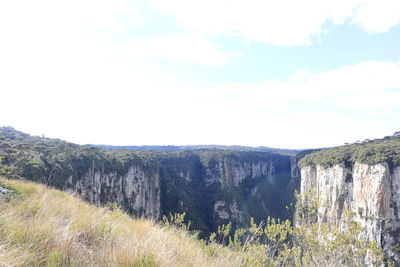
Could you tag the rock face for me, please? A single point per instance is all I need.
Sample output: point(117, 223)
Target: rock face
point(211, 187)
point(234, 172)
point(371, 192)
point(214, 188)
point(137, 191)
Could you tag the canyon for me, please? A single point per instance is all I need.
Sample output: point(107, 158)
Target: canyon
point(210, 187)
point(216, 186)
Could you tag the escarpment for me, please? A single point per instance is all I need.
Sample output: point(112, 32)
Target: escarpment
point(218, 186)
point(137, 191)
point(129, 179)
point(211, 186)
point(361, 181)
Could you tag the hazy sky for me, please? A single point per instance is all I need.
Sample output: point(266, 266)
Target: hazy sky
point(292, 74)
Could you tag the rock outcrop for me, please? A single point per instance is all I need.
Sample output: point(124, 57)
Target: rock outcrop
point(370, 192)
point(137, 191)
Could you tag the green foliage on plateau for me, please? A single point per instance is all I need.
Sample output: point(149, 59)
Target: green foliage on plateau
point(369, 152)
point(53, 161)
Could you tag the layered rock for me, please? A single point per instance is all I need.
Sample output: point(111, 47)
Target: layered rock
point(234, 172)
point(370, 192)
point(137, 191)
point(215, 188)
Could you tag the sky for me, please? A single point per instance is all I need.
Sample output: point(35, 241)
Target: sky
point(288, 74)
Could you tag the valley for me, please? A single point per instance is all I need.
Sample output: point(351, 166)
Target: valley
point(220, 186)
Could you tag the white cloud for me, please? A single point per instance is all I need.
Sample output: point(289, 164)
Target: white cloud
point(58, 16)
point(375, 16)
point(55, 78)
point(366, 84)
point(283, 22)
point(322, 109)
point(182, 48)
point(300, 75)
point(363, 79)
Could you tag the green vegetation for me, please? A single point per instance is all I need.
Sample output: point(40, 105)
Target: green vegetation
point(278, 243)
point(45, 227)
point(53, 161)
point(368, 151)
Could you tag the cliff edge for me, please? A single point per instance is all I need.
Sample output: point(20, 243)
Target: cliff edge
point(362, 178)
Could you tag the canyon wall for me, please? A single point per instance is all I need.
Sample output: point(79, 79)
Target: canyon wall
point(217, 187)
point(370, 191)
point(212, 186)
point(137, 191)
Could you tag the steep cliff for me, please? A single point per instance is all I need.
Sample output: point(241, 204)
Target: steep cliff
point(363, 179)
point(137, 191)
point(100, 176)
point(216, 187)
point(211, 186)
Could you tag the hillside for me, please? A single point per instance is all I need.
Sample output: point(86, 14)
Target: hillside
point(45, 227)
point(53, 161)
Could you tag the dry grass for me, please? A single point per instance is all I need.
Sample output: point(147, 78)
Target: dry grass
point(46, 227)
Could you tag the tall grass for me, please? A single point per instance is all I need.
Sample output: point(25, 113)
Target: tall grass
point(40, 226)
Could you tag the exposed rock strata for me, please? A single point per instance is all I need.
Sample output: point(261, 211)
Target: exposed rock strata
point(371, 192)
point(212, 188)
point(234, 172)
point(216, 188)
point(137, 191)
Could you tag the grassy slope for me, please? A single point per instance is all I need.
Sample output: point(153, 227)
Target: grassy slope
point(47, 227)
